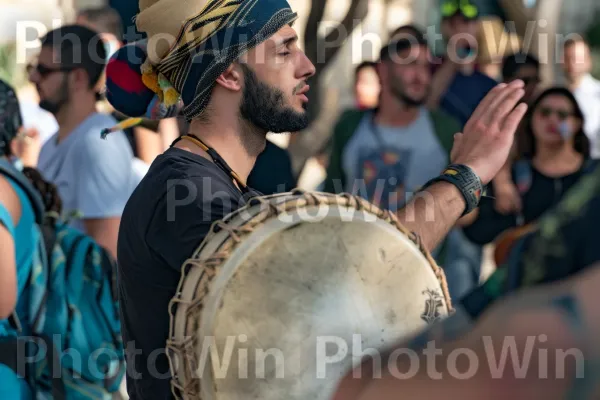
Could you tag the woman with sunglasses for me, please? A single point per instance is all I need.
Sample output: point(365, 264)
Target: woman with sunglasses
point(554, 154)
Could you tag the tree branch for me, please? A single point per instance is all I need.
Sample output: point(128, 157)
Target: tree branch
point(516, 11)
point(332, 42)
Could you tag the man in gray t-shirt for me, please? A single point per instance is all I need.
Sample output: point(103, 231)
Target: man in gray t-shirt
point(386, 164)
point(94, 177)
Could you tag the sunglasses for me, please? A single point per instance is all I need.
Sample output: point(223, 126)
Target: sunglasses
point(45, 71)
point(464, 7)
point(561, 114)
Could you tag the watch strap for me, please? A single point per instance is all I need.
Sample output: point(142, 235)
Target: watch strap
point(466, 181)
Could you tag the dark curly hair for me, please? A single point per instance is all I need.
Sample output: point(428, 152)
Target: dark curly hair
point(48, 191)
point(526, 139)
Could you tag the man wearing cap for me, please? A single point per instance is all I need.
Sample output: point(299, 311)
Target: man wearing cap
point(236, 71)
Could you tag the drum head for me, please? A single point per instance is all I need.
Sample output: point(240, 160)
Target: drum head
point(298, 298)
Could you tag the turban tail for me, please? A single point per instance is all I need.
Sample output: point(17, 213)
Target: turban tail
point(181, 83)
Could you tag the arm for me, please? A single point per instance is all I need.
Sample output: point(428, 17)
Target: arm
point(433, 212)
point(488, 224)
point(8, 273)
point(105, 232)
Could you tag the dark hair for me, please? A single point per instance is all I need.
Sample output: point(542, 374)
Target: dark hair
point(105, 19)
point(48, 191)
point(526, 138)
point(574, 40)
point(78, 47)
point(410, 29)
point(512, 63)
point(10, 117)
point(363, 65)
point(397, 46)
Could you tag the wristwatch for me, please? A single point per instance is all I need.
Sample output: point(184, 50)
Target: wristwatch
point(465, 180)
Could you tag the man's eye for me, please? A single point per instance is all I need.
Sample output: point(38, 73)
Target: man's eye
point(285, 53)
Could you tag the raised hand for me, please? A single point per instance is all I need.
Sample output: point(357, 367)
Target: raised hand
point(485, 143)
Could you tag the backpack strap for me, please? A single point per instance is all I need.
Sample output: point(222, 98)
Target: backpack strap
point(9, 170)
point(6, 220)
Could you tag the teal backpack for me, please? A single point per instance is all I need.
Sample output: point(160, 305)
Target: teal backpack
point(73, 309)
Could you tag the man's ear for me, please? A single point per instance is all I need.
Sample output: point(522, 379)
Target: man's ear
point(80, 79)
point(231, 79)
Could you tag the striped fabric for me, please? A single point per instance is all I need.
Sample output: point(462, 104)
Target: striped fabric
point(206, 45)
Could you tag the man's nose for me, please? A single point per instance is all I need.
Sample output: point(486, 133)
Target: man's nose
point(307, 68)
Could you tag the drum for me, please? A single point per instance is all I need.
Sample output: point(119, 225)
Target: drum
point(288, 293)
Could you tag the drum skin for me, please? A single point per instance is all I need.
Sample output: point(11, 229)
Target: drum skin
point(291, 292)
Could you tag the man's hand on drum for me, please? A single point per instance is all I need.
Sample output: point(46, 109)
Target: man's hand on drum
point(485, 143)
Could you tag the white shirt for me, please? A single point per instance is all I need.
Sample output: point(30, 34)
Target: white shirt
point(588, 98)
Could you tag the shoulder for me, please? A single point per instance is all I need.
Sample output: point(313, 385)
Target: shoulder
point(485, 81)
point(441, 117)
point(180, 172)
point(91, 143)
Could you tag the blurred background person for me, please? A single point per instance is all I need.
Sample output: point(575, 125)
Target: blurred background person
point(458, 86)
point(577, 68)
point(95, 177)
point(525, 67)
point(555, 155)
point(150, 138)
point(366, 85)
point(387, 153)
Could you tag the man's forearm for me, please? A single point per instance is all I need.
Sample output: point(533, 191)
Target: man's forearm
point(433, 212)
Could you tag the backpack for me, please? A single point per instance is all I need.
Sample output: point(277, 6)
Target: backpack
point(72, 293)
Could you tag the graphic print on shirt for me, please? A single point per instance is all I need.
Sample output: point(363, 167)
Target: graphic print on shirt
point(381, 177)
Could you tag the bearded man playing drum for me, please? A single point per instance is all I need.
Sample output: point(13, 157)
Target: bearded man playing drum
point(238, 71)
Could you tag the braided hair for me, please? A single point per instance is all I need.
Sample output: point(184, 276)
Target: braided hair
point(48, 191)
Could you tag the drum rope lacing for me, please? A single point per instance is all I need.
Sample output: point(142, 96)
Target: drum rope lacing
point(182, 350)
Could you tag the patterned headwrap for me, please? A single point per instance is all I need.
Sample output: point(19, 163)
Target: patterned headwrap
point(10, 117)
point(175, 69)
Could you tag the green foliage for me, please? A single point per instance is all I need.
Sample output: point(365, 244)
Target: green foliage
point(593, 33)
point(592, 36)
point(10, 71)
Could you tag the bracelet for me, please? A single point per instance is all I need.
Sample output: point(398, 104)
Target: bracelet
point(466, 181)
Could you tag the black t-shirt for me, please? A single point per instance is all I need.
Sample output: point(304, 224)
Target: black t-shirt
point(543, 194)
point(269, 180)
point(564, 244)
point(164, 221)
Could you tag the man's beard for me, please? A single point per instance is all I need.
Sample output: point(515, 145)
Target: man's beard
point(264, 107)
point(62, 96)
point(398, 91)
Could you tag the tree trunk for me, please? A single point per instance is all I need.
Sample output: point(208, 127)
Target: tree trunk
point(322, 49)
point(537, 27)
